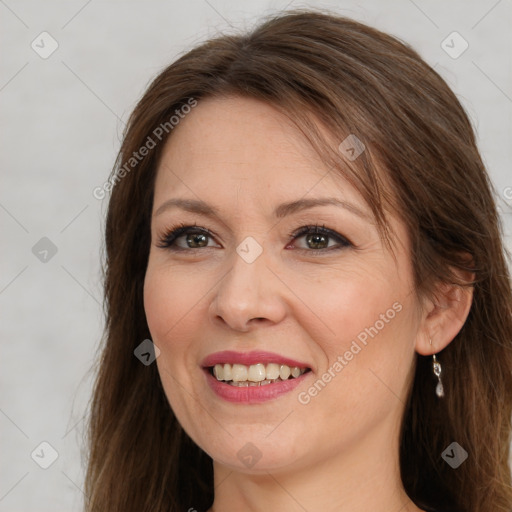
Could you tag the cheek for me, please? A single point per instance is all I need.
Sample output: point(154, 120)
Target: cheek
point(158, 302)
point(171, 305)
point(345, 304)
point(363, 327)
point(169, 297)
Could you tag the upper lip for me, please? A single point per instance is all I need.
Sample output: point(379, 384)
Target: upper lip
point(249, 358)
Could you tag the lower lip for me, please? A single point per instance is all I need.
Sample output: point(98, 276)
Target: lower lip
point(252, 394)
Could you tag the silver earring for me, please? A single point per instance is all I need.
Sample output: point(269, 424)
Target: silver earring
point(436, 366)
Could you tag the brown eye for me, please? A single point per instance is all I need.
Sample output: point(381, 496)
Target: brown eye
point(186, 237)
point(196, 240)
point(317, 241)
point(320, 238)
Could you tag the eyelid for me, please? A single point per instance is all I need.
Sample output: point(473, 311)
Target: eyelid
point(166, 241)
point(343, 241)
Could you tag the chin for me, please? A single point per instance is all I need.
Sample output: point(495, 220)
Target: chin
point(253, 450)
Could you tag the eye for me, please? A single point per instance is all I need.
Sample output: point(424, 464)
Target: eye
point(318, 238)
point(194, 237)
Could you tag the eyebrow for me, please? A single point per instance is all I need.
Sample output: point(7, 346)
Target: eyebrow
point(283, 210)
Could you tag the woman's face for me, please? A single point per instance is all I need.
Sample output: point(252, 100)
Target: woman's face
point(275, 294)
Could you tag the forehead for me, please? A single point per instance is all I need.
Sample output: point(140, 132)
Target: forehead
point(243, 157)
point(246, 145)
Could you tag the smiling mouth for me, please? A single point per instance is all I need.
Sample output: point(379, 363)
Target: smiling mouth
point(240, 375)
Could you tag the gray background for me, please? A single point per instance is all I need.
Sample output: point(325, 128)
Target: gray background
point(61, 121)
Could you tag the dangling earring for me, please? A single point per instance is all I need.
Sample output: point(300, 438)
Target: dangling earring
point(436, 366)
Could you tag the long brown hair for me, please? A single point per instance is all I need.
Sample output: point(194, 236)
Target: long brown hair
point(421, 159)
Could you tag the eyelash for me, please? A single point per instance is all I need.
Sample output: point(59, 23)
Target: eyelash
point(169, 238)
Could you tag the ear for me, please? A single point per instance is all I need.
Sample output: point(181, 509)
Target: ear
point(444, 314)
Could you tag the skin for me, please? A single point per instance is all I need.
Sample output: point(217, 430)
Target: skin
point(338, 452)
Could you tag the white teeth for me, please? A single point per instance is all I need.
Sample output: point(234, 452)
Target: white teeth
point(295, 372)
point(255, 374)
point(284, 372)
point(238, 372)
point(227, 372)
point(218, 371)
point(272, 371)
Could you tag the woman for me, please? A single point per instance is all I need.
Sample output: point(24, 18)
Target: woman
point(308, 302)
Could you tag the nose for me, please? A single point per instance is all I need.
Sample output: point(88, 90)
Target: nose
point(247, 296)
